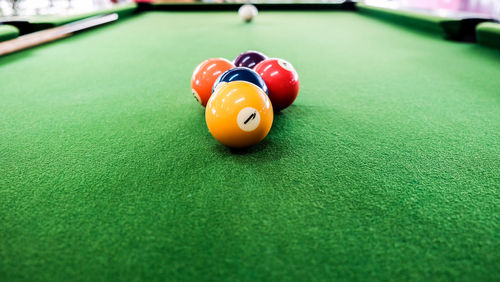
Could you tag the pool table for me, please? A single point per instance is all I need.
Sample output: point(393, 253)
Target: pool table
point(386, 167)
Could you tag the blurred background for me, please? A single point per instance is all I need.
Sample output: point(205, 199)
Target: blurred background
point(482, 8)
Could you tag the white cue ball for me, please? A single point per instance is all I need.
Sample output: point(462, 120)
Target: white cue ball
point(247, 12)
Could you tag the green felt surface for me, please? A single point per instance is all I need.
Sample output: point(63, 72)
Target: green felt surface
point(8, 32)
point(489, 34)
point(385, 168)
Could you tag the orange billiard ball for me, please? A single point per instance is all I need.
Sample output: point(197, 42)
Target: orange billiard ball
point(205, 75)
point(239, 114)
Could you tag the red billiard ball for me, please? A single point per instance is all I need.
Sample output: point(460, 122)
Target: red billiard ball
point(282, 81)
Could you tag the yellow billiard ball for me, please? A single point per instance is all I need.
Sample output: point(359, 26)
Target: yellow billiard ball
point(239, 114)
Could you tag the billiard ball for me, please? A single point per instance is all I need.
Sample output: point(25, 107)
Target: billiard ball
point(249, 59)
point(239, 114)
point(282, 81)
point(247, 12)
point(205, 75)
point(240, 74)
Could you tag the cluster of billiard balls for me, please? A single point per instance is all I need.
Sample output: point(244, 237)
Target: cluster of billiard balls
point(240, 96)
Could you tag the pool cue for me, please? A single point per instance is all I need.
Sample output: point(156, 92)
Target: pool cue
point(52, 34)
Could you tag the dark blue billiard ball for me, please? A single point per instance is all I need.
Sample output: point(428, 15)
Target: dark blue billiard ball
point(240, 74)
